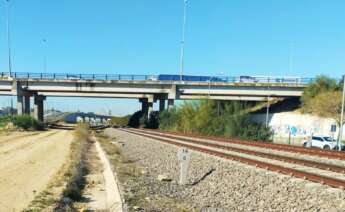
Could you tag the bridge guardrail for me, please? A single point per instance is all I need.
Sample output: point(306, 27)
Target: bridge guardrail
point(131, 77)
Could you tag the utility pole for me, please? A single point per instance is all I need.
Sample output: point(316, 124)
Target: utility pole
point(8, 37)
point(9, 46)
point(267, 110)
point(183, 39)
point(291, 57)
point(341, 117)
point(268, 106)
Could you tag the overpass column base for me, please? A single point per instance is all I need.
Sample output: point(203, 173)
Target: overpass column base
point(171, 104)
point(20, 105)
point(161, 105)
point(27, 105)
point(150, 109)
point(144, 105)
point(38, 108)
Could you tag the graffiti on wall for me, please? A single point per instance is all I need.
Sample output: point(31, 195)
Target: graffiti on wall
point(296, 130)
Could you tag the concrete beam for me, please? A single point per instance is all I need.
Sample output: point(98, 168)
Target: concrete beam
point(95, 95)
point(237, 98)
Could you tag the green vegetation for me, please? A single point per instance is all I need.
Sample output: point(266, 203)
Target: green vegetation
point(4, 121)
point(69, 180)
point(120, 121)
point(321, 85)
point(323, 98)
point(210, 117)
point(77, 170)
point(24, 122)
point(207, 117)
point(140, 119)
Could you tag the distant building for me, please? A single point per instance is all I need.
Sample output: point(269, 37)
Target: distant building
point(86, 117)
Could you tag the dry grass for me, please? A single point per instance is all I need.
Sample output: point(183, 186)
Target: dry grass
point(69, 180)
point(124, 166)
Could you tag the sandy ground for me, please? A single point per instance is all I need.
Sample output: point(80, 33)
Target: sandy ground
point(28, 162)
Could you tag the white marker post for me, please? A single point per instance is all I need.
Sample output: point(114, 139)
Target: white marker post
point(184, 158)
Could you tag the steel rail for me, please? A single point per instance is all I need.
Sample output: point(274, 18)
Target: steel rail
point(281, 147)
point(319, 165)
point(337, 183)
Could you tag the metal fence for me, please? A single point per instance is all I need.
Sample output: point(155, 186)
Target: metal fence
point(132, 77)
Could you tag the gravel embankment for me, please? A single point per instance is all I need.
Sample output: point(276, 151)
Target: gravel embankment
point(230, 186)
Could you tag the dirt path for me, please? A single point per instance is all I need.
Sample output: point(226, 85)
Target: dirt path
point(101, 192)
point(27, 165)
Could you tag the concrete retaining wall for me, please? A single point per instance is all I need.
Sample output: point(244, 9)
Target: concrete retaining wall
point(299, 126)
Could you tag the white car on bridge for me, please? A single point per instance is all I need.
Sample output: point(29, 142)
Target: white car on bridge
point(322, 142)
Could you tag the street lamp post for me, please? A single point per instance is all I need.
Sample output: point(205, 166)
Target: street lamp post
point(8, 37)
point(267, 110)
point(268, 107)
point(183, 39)
point(44, 41)
point(341, 117)
point(9, 46)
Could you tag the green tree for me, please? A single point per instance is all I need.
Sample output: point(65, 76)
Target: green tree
point(326, 104)
point(322, 84)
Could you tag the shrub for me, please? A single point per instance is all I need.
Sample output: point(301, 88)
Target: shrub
point(27, 122)
point(77, 169)
point(134, 120)
point(120, 121)
point(214, 118)
point(4, 120)
point(322, 84)
point(153, 121)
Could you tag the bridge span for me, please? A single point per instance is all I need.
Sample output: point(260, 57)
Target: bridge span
point(146, 88)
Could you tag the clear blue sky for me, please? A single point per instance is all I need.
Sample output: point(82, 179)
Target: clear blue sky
point(236, 37)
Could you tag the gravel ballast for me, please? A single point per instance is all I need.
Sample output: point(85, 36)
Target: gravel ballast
point(216, 183)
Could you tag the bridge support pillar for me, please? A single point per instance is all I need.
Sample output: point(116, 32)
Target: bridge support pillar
point(144, 105)
point(147, 105)
point(150, 109)
point(20, 105)
point(161, 105)
point(38, 107)
point(170, 104)
point(27, 104)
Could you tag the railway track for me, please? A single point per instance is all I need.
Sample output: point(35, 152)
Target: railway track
point(280, 147)
point(72, 127)
point(223, 151)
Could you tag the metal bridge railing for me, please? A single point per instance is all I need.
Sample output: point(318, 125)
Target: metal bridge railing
point(131, 77)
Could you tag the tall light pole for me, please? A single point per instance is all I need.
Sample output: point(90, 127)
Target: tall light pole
point(8, 37)
point(183, 39)
point(9, 46)
point(341, 117)
point(291, 57)
point(267, 110)
point(44, 41)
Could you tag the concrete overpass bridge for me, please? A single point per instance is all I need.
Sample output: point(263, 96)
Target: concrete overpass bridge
point(148, 89)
